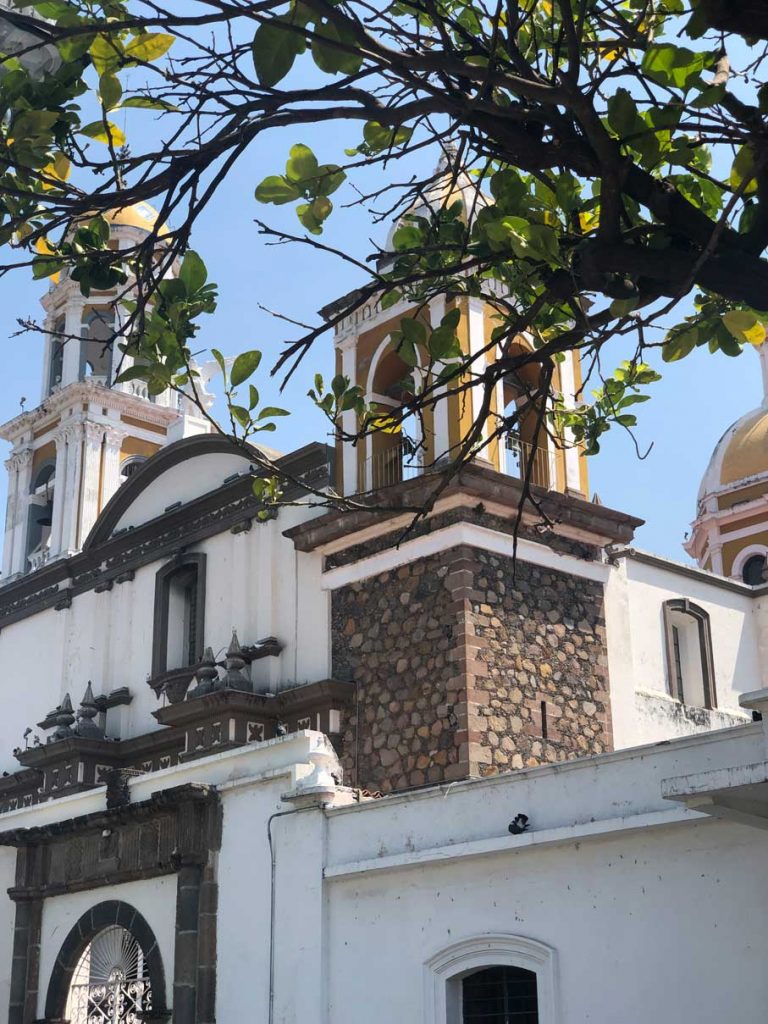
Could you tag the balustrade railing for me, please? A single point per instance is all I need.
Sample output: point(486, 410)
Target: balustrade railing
point(521, 457)
point(403, 460)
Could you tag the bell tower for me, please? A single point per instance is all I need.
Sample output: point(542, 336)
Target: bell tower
point(367, 355)
point(87, 434)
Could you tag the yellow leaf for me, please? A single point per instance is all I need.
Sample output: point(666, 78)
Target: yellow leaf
point(387, 425)
point(588, 219)
point(149, 46)
point(43, 246)
point(59, 169)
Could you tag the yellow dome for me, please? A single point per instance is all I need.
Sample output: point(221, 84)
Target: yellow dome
point(746, 451)
point(139, 215)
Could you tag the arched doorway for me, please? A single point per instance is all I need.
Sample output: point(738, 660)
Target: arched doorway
point(525, 443)
point(393, 455)
point(109, 970)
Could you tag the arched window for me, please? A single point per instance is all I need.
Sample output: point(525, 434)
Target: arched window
point(179, 614)
point(752, 572)
point(491, 979)
point(108, 971)
point(690, 665)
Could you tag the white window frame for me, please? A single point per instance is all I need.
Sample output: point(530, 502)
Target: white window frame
point(443, 973)
point(744, 556)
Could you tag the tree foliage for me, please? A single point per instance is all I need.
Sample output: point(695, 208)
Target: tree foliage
point(616, 155)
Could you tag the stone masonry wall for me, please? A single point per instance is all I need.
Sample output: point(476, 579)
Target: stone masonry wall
point(542, 692)
point(465, 667)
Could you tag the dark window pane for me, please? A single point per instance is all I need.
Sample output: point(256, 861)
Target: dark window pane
point(500, 995)
point(752, 573)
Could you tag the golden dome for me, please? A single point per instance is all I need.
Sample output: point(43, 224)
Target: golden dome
point(746, 448)
point(138, 215)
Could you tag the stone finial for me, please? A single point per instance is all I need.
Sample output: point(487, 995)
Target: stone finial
point(206, 675)
point(86, 726)
point(64, 719)
point(234, 678)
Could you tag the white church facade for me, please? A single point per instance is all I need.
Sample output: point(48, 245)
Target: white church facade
point(305, 770)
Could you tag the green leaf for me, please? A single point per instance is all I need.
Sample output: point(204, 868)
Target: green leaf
point(414, 331)
point(744, 168)
point(443, 344)
point(148, 103)
point(673, 66)
point(679, 344)
point(149, 46)
point(241, 414)
point(193, 272)
point(278, 190)
point(110, 90)
point(302, 164)
point(221, 361)
point(390, 298)
point(100, 132)
point(106, 52)
point(313, 214)
point(407, 236)
point(623, 117)
point(744, 326)
point(245, 364)
point(379, 137)
point(344, 57)
point(270, 411)
point(253, 397)
point(275, 47)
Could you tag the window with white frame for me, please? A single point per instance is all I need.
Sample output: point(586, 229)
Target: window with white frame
point(491, 979)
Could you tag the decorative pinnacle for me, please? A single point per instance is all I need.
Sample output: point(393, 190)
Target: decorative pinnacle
point(86, 726)
point(206, 675)
point(64, 719)
point(234, 678)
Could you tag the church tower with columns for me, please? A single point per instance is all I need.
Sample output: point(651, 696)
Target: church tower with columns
point(87, 434)
point(729, 535)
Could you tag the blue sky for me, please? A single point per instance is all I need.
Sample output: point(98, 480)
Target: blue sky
point(691, 407)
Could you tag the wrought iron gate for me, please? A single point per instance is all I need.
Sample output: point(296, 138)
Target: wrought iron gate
point(110, 984)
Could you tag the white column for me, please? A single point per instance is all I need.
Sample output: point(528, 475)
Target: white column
point(348, 349)
point(12, 465)
point(572, 469)
point(47, 355)
point(440, 408)
point(58, 492)
point(72, 488)
point(21, 513)
point(111, 479)
point(91, 478)
point(73, 321)
point(763, 354)
point(476, 334)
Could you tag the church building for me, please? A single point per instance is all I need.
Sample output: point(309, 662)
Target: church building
point(311, 768)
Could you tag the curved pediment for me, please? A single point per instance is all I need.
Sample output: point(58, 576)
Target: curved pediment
point(180, 472)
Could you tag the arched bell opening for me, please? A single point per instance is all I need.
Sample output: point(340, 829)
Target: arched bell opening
point(40, 514)
point(525, 443)
point(96, 346)
point(395, 449)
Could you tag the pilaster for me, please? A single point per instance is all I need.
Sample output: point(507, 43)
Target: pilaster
point(348, 349)
point(110, 475)
point(12, 466)
point(19, 514)
point(58, 493)
point(93, 438)
point(72, 487)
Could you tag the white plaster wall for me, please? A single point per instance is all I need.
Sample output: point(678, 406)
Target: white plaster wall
point(667, 927)
point(182, 483)
point(634, 596)
point(155, 899)
point(256, 583)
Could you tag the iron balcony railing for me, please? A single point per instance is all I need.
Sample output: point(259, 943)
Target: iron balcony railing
point(522, 458)
point(402, 460)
